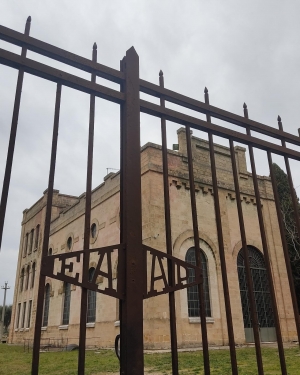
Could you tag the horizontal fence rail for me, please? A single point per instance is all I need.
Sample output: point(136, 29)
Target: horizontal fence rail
point(132, 254)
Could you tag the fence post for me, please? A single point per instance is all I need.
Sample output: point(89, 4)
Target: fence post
point(131, 322)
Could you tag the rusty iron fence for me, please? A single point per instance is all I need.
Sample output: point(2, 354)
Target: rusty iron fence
point(131, 288)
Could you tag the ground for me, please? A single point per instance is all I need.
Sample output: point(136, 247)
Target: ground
point(14, 360)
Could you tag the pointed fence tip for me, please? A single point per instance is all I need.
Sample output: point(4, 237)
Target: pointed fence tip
point(131, 50)
point(245, 105)
point(161, 73)
point(28, 19)
point(205, 90)
point(95, 45)
point(278, 118)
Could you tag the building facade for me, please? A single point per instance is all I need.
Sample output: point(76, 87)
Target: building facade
point(62, 300)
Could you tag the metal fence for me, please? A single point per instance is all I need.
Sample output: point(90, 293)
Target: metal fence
point(131, 290)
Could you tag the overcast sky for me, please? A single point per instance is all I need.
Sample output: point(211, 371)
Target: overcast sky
point(243, 51)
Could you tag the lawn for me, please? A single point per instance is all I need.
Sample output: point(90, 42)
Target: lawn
point(14, 361)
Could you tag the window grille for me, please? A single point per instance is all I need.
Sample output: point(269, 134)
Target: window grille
point(91, 300)
point(261, 289)
point(46, 305)
point(67, 302)
point(192, 292)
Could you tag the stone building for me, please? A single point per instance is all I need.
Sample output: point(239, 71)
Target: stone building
point(62, 300)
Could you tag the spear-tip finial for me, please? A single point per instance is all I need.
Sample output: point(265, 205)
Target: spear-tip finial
point(95, 46)
point(161, 73)
point(28, 19)
point(205, 90)
point(278, 118)
point(245, 106)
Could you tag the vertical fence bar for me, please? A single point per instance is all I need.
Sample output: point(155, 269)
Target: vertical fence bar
point(171, 276)
point(266, 252)
point(12, 137)
point(121, 255)
point(87, 223)
point(253, 312)
point(221, 246)
point(197, 251)
point(42, 278)
point(132, 356)
point(284, 246)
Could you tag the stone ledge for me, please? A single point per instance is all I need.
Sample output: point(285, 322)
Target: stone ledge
point(90, 325)
point(66, 326)
point(195, 320)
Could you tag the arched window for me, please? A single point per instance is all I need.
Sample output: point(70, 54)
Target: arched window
point(22, 280)
point(50, 251)
point(91, 300)
point(192, 292)
point(67, 302)
point(27, 277)
point(32, 275)
point(260, 287)
point(46, 305)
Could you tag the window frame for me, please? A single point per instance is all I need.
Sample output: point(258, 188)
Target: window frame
point(192, 291)
point(66, 304)
point(91, 300)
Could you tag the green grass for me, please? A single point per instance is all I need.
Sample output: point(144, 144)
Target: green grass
point(14, 361)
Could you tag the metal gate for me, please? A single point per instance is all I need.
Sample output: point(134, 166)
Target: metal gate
point(131, 289)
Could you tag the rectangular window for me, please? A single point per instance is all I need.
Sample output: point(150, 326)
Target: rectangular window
point(23, 315)
point(31, 242)
point(25, 245)
point(37, 234)
point(18, 315)
point(29, 314)
point(67, 301)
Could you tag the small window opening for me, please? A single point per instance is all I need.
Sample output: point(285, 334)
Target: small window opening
point(69, 243)
point(93, 230)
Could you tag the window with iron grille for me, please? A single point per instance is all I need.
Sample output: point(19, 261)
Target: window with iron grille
point(261, 289)
point(46, 305)
point(192, 292)
point(91, 300)
point(29, 314)
point(67, 302)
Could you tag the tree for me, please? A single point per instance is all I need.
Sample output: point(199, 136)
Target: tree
point(7, 316)
point(291, 232)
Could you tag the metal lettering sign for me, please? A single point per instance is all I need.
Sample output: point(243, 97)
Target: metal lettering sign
point(67, 267)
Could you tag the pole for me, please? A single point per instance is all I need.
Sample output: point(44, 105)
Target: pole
point(3, 309)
